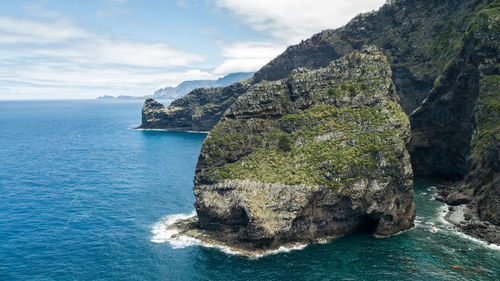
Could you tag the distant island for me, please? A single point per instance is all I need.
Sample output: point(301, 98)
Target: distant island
point(186, 87)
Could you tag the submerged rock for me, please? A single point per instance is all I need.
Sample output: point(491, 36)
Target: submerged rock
point(318, 155)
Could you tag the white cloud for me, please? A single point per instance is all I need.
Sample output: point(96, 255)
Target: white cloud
point(247, 56)
point(49, 55)
point(17, 30)
point(124, 52)
point(54, 58)
point(294, 20)
point(66, 80)
point(286, 22)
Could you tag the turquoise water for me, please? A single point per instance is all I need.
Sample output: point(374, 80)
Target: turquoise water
point(81, 193)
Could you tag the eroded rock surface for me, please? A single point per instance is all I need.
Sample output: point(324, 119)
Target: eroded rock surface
point(317, 155)
point(444, 61)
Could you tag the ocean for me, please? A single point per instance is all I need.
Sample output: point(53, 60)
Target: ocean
point(85, 197)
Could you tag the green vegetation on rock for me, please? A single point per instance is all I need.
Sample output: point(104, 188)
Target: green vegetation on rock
point(353, 126)
point(488, 116)
point(312, 155)
point(330, 145)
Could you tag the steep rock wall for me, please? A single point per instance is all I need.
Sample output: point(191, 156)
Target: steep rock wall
point(457, 129)
point(319, 154)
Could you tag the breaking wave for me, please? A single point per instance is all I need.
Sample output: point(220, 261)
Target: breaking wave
point(164, 233)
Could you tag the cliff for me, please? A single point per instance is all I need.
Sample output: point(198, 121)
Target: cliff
point(444, 61)
point(456, 130)
point(317, 155)
point(419, 37)
point(199, 110)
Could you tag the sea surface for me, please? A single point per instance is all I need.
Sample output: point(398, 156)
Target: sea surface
point(84, 197)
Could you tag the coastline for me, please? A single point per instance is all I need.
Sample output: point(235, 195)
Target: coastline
point(460, 213)
point(175, 230)
point(172, 229)
point(170, 130)
point(180, 230)
point(456, 218)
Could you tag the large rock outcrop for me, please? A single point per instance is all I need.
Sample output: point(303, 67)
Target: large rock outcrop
point(199, 110)
point(319, 154)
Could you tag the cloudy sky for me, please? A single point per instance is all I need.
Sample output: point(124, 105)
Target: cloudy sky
point(71, 49)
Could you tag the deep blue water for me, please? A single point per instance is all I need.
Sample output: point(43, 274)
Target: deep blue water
point(80, 194)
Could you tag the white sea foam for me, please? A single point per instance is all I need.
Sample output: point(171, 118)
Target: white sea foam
point(434, 229)
point(443, 211)
point(418, 221)
point(163, 232)
point(281, 249)
point(484, 244)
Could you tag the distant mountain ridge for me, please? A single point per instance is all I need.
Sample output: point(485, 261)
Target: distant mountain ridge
point(187, 86)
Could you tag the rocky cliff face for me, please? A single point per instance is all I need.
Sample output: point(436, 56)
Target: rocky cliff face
point(319, 154)
point(445, 123)
point(456, 131)
point(418, 36)
point(199, 110)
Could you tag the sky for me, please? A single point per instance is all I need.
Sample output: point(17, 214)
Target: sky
point(73, 49)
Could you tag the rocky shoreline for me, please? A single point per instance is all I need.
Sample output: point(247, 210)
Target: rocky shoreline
point(170, 130)
point(462, 214)
point(224, 240)
point(216, 238)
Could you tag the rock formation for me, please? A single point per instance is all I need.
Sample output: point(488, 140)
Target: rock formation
point(419, 38)
point(319, 154)
point(199, 110)
point(444, 61)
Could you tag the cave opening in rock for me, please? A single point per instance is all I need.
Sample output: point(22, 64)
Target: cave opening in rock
point(366, 224)
point(239, 217)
